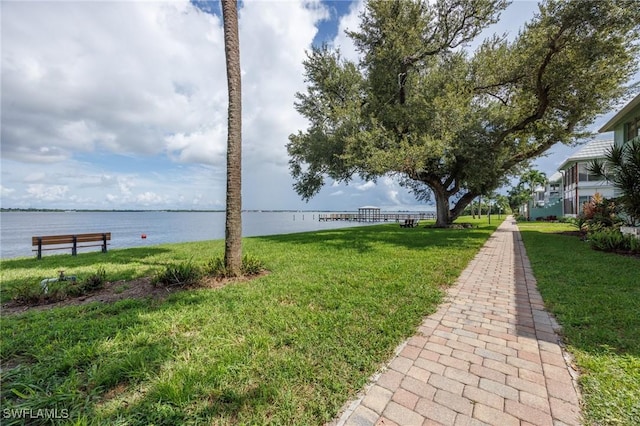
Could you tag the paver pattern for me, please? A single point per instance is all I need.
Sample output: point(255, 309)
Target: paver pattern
point(490, 355)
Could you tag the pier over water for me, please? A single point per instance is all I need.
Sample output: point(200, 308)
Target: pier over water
point(373, 214)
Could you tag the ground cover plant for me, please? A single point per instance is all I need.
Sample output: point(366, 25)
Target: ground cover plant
point(596, 297)
point(289, 347)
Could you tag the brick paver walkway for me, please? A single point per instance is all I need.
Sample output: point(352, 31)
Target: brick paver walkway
point(489, 355)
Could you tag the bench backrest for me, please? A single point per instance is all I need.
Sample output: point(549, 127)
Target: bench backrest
point(68, 239)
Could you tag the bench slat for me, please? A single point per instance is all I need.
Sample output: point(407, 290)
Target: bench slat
point(82, 238)
point(68, 239)
point(69, 247)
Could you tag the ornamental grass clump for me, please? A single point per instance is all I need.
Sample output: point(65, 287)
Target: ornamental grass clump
point(183, 274)
point(250, 266)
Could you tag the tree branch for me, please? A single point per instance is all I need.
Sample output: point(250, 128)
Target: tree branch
point(462, 203)
point(542, 90)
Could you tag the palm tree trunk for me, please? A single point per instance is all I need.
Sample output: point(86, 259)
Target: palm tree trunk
point(233, 222)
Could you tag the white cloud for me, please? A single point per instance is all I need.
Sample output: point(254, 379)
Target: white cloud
point(201, 147)
point(112, 74)
point(150, 198)
point(125, 183)
point(365, 186)
point(35, 177)
point(147, 80)
point(350, 22)
point(47, 192)
point(6, 191)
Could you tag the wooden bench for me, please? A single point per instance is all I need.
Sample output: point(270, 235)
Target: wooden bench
point(73, 242)
point(410, 223)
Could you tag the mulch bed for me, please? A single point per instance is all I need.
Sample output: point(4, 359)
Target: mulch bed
point(115, 291)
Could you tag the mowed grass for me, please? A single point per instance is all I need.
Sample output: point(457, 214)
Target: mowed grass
point(596, 298)
point(290, 347)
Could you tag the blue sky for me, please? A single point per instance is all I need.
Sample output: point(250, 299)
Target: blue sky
point(122, 105)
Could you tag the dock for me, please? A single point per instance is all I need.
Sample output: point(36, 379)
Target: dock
point(373, 214)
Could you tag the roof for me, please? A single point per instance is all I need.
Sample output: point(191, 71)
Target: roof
point(369, 207)
point(556, 177)
point(592, 150)
point(609, 126)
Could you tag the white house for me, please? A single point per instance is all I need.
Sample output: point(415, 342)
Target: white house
point(578, 185)
point(553, 189)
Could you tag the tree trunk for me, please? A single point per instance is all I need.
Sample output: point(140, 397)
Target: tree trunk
point(444, 214)
point(233, 219)
point(443, 217)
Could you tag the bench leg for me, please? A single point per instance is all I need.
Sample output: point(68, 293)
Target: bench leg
point(39, 248)
point(74, 249)
point(104, 243)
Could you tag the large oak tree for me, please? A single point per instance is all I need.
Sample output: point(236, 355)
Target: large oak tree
point(452, 124)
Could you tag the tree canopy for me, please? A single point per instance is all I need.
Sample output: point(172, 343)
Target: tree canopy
point(454, 124)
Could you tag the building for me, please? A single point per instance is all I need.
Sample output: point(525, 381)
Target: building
point(626, 128)
point(625, 124)
point(553, 189)
point(574, 185)
point(578, 184)
point(548, 199)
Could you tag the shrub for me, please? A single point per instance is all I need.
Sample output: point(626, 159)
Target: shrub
point(579, 222)
point(27, 292)
point(59, 288)
point(95, 281)
point(600, 213)
point(216, 267)
point(250, 266)
point(614, 240)
point(179, 275)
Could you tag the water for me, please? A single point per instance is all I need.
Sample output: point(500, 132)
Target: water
point(17, 228)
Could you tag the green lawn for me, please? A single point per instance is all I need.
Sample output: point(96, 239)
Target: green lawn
point(596, 298)
point(290, 347)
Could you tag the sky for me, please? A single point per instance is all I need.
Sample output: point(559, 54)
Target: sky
point(123, 104)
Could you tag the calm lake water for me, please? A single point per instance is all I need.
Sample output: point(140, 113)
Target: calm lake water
point(17, 228)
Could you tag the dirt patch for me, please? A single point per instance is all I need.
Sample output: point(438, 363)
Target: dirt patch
point(120, 290)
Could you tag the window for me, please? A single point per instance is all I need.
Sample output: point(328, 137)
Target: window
point(632, 129)
point(585, 175)
point(568, 206)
